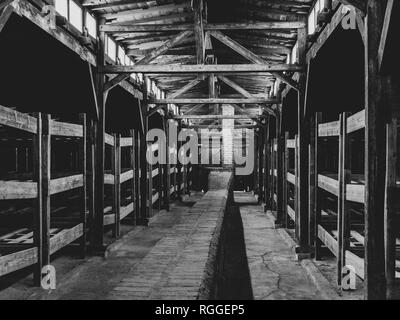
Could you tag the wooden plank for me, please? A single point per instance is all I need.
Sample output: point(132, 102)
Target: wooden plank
point(126, 142)
point(18, 120)
point(356, 122)
point(330, 129)
point(18, 260)
point(328, 240)
point(66, 183)
point(66, 129)
point(18, 190)
point(65, 237)
point(194, 69)
point(83, 151)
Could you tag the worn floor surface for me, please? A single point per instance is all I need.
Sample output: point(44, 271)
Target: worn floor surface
point(275, 273)
point(258, 264)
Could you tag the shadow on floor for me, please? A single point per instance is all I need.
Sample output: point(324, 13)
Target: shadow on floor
point(235, 283)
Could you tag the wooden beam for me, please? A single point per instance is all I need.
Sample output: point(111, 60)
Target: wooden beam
point(5, 16)
point(235, 86)
point(283, 25)
point(198, 30)
point(193, 69)
point(184, 89)
point(374, 257)
point(150, 57)
point(385, 32)
point(216, 101)
point(247, 54)
point(214, 117)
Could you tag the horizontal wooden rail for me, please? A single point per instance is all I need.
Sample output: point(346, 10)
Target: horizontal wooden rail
point(66, 129)
point(354, 123)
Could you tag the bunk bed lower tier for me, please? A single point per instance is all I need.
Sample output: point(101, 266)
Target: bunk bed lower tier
point(17, 250)
point(355, 255)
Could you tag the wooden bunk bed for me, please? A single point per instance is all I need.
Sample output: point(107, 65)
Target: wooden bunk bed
point(42, 210)
point(120, 179)
point(340, 201)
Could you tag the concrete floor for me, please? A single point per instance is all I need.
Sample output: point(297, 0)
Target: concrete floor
point(258, 262)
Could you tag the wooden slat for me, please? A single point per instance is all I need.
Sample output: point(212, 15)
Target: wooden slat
point(66, 129)
point(17, 190)
point(66, 183)
point(109, 139)
point(126, 176)
point(329, 129)
point(65, 237)
point(18, 260)
point(356, 122)
point(126, 142)
point(18, 120)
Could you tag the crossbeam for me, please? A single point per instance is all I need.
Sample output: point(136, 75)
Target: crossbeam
point(124, 28)
point(215, 117)
point(194, 69)
point(216, 101)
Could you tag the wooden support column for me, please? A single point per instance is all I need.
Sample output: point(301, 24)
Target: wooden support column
point(146, 177)
point(296, 186)
point(268, 164)
point(280, 149)
point(374, 261)
point(285, 191)
point(303, 133)
point(117, 183)
point(265, 164)
point(133, 181)
point(99, 132)
point(391, 207)
point(260, 168)
point(344, 176)
point(83, 161)
point(313, 181)
point(42, 165)
point(316, 203)
point(167, 167)
point(137, 176)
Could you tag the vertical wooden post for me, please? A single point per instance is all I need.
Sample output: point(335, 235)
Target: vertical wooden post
point(268, 164)
point(133, 181)
point(374, 261)
point(391, 206)
point(145, 182)
point(296, 186)
point(317, 198)
point(313, 181)
point(167, 167)
point(37, 219)
point(46, 172)
point(280, 172)
point(343, 223)
point(137, 176)
point(83, 161)
point(285, 169)
point(99, 130)
point(260, 167)
point(303, 132)
point(117, 183)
